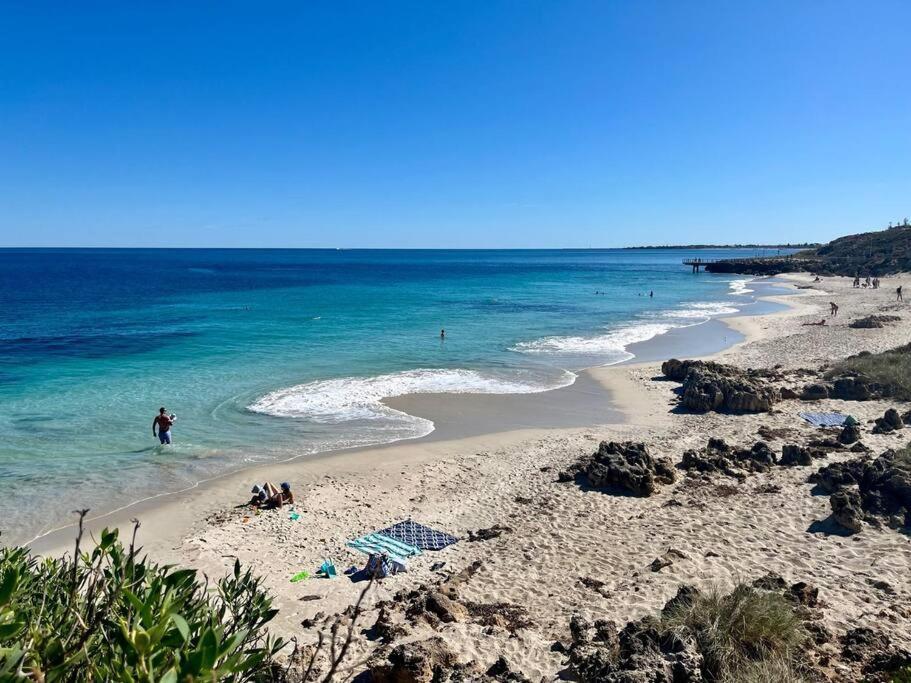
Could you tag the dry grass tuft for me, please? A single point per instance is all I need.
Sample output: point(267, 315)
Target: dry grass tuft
point(746, 635)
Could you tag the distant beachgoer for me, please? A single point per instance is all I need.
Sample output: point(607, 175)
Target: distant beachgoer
point(876, 283)
point(821, 322)
point(651, 294)
point(898, 294)
point(818, 279)
point(163, 422)
point(833, 308)
point(442, 334)
point(856, 281)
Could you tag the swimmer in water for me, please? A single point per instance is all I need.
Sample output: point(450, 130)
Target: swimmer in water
point(442, 334)
point(163, 421)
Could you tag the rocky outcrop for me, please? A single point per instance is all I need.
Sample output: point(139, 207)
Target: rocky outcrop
point(846, 388)
point(847, 509)
point(864, 488)
point(872, 321)
point(849, 434)
point(875, 655)
point(764, 266)
point(422, 661)
point(793, 455)
point(627, 466)
point(889, 422)
point(718, 456)
point(641, 651)
point(668, 648)
point(709, 386)
point(447, 609)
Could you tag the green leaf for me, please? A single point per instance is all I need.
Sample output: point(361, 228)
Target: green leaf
point(169, 677)
point(182, 626)
point(8, 585)
point(11, 629)
point(208, 648)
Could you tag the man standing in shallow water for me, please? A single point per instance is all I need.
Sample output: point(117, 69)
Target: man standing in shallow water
point(163, 422)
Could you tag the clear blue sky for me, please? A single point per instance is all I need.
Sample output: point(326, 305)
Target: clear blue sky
point(452, 124)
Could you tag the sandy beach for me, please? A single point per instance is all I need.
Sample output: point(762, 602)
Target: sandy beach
point(565, 550)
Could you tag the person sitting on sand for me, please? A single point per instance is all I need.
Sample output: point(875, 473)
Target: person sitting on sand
point(284, 496)
point(268, 496)
point(821, 322)
point(259, 498)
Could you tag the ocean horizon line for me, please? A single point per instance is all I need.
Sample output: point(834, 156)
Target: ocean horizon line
point(644, 247)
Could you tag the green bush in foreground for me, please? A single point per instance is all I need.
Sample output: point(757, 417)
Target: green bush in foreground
point(106, 616)
point(746, 635)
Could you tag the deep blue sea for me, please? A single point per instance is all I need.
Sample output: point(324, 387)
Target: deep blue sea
point(271, 354)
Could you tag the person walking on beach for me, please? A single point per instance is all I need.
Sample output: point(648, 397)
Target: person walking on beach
point(833, 308)
point(163, 422)
point(898, 294)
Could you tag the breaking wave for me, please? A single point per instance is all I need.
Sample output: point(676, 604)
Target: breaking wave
point(359, 399)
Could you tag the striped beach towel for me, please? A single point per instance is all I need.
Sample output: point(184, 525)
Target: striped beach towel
point(378, 543)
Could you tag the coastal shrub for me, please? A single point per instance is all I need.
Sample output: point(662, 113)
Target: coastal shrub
point(890, 368)
point(743, 635)
point(105, 615)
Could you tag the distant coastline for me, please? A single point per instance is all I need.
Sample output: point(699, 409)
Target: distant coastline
point(801, 245)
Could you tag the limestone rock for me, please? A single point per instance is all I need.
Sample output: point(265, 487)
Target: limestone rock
point(422, 661)
point(709, 386)
point(815, 392)
point(792, 455)
point(446, 609)
point(849, 434)
point(847, 509)
point(626, 465)
point(889, 422)
point(872, 321)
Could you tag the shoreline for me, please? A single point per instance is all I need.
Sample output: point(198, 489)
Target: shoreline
point(560, 549)
point(460, 421)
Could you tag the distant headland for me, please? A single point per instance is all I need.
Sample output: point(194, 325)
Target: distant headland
point(879, 252)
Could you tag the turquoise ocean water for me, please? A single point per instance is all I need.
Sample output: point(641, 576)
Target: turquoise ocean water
point(271, 354)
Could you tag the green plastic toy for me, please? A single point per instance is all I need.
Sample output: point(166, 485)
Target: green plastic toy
point(300, 576)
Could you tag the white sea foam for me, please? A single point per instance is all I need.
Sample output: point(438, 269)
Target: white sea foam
point(739, 287)
point(611, 347)
point(350, 399)
point(701, 310)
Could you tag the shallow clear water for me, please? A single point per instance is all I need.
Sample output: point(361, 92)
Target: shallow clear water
point(270, 354)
